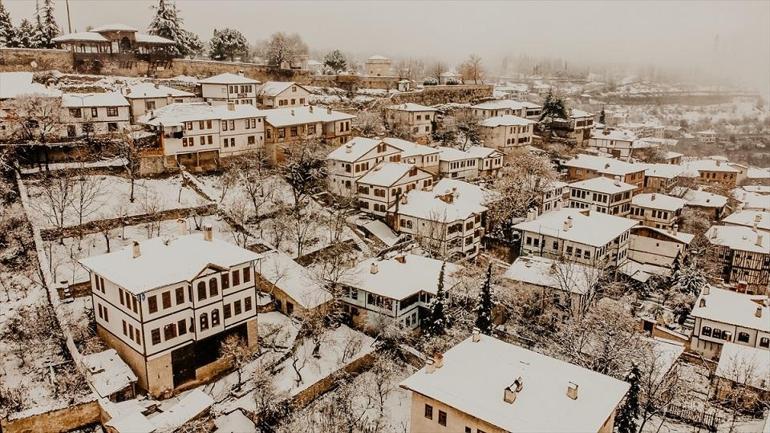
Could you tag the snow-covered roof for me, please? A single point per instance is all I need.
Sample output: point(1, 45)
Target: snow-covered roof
point(467, 191)
point(380, 230)
point(474, 376)
point(80, 36)
point(545, 272)
point(228, 78)
point(739, 238)
point(751, 200)
point(161, 263)
point(410, 106)
point(699, 198)
point(386, 173)
point(409, 148)
point(144, 38)
point(758, 173)
point(482, 152)
point(292, 278)
point(178, 113)
point(273, 88)
point(377, 57)
point(14, 84)
point(658, 201)
point(281, 117)
point(708, 165)
point(506, 120)
point(748, 218)
point(397, 280)
point(234, 422)
point(613, 134)
point(589, 228)
point(151, 90)
point(745, 365)
point(353, 149)
point(429, 205)
point(603, 164)
point(578, 114)
point(603, 185)
point(131, 423)
point(115, 27)
point(452, 154)
point(79, 100)
point(757, 189)
point(734, 308)
point(189, 407)
point(108, 372)
point(499, 104)
point(668, 171)
point(682, 237)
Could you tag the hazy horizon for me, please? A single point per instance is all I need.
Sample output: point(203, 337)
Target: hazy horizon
point(729, 41)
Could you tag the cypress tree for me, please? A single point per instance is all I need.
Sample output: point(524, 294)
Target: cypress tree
point(437, 321)
point(626, 420)
point(7, 32)
point(484, 307)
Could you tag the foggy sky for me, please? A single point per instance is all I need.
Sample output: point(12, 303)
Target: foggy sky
point(728, 39)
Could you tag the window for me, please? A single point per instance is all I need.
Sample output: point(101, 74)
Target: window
point(149, 105)
point(169, 331)
point(468, 429)
point(311, 129)
point(124, 328)
point(112, 111)
point(112, 127)
point(213, 289)
point(202, 140)
point(155, 336)
point(122, 301)
point(188, 126)
point(743, 337)
point(250, 139)
point(201, 291)
point(215, 318)
point(76, 112)
point(237, 307)
point(179, 295)
point(182, 326)
point(166, 300)
point(236, 278)
point(107, 316)
point(763, 342)
point(246, 275)
point(224, 125)
point(152, 304)
point(442, 417)
point(225, 281)
point(94, 112)
point(227, 311)
point(716, 333)
point(204, 321)
point(201, 124)
point(428, 411)
point(134, 305)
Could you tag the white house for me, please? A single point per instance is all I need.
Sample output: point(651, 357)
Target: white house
point(456, 164)
point(347, 163)
point(165, 305)
point(749, 218)
point(723, 316)
point(486, 385)
point(605, 195)
point(616, 142)
point(278, 94)
point(385, 183)
point(398, 287)
point(497, 107)
point(94, 114)
point(583, 236)
point(489, 161)
point(424, 157)
point(294, 289)
point(658, 251)
point(506, 132)
point(144, 97)
point(229, 87)
point(414, 119)
point(657, 210)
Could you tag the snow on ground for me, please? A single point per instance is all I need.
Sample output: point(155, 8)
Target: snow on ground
point(63, 256)
point(113, 162)
point(110, 199)
point(274, 193)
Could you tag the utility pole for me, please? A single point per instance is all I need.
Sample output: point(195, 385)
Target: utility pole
point(69, 20)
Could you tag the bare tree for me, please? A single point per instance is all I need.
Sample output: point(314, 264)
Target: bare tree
point(282, 49)
point(56, 198)
point(128, 149)
point(369, 124)
point(35, 117)
point(436, 69)
point(472, 70)
point(269, 401)
point(88, 191)
point(236, 349)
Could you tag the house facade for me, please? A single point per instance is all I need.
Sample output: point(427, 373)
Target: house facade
point(278, 94)
point(657, 210)
point(744, 255)
point(146, 97)
point(166, 305)
point(229, 87)
point(286, 128)
point(94, 114)
point(506, 132)
point(584, 166)
point(416, 120)
point(384, 184)
point(604, 195)
point(615, 142)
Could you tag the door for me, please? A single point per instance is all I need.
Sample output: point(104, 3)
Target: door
point(183, 364)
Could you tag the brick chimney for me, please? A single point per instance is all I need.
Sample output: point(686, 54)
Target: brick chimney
point(572, 390)
point(401, 258)
point(208, 233)
point(758, 312)
point(476, 335)
point(181, 225)
point(374, 268)
point(135, 249)
point(512, 391)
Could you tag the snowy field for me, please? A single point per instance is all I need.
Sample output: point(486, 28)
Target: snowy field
point(62, 257)
point(92, 198)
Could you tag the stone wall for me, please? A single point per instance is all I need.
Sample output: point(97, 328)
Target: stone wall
point(206, 68)
point(432, 95)
point(24, 59)
point(60, 420)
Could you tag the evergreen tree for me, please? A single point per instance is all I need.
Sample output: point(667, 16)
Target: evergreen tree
point(228, 44)
point(553, 107)
point(168, 24)
point(602, 116)
point(24, 34)
point(484, 307)
point(7, 32)
point(335, 60)
point(689, 279)
point(437, 320)
point(626, 419)
point(45, 27)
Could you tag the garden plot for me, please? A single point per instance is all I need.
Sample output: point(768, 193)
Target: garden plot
point(270, 196)
point(62, 256)
point(72, 201)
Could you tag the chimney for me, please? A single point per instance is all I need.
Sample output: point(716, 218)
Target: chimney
point(429, 367)
point(230, 106)
point(181, 226)
point(404, 200)
point(759, 240)
point(348, 148)
point(136, 251)
point(511, 391)
point(401, 258)
point(157, 85)
point(652, 197)
point(208, 233)
point(128, 91)
point(702, 302)
point(240, 73)
point(706, 290)
point(476, 335)
point(373, 269)
point(754, 227)
point(292, 111)
point(757, 218)
point(572, 390)
point(310, 108)
point(328, 110)
point(742, 286)
point(569, 221)
point(565, 226)
point(758, 312)
point(676, 228)
point(617, 180)
point(438, 360)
